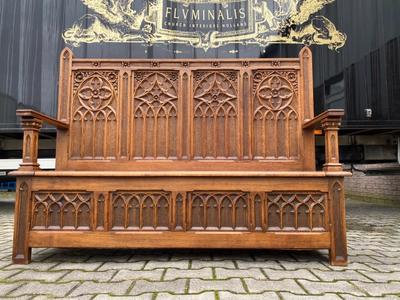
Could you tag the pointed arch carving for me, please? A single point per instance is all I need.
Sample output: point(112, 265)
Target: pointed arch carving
point(275, 114)
point(94, 115)
point(297, 211)
point(219, 211)
point(215, 115)
point(62, 210)
point(155, 114)
point(150, 210)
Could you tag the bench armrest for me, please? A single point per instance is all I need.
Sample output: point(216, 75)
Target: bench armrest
point(31, 123)
point(29, 114)
point(329, 121)
point(331, 115)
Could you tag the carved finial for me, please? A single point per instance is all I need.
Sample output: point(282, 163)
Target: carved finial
point(305, 52)
point(66, 54)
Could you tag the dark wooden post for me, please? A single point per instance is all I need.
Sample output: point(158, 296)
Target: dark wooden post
point(21, 250)
point(31, 127)
point(338, 250)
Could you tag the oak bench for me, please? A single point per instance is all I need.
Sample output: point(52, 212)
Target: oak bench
point(183, 154)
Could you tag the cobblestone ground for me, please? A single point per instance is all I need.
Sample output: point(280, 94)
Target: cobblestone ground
point(373, 272)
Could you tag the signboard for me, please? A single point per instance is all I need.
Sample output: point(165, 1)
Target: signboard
point(206, 23)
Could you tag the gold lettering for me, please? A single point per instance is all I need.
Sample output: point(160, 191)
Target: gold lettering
point(195, 14)
point(185, 13)
point(221, 15)
point(228, 17)
point(242, 13)
point(167, 12)
point(211, 15)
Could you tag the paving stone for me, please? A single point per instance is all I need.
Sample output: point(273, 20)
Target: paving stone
point(77, 275)
point(191, 256)
point(109, 258)
point(233, 256)
point(295, 265)
point(178, 264)
point(379, 289)
point(5, 288)
point(258, 264)
point(67, 257)
point(199, 285)
point(259, 286)
point(340, 275)
point(42, 297)
point(222, 273)
point(286, 274)
point(202, 296)
point(350, 297)
point(154, 275)
point(330, 287)
point(30, 275)
point(39, 288)
point(144, 286)
point(198, 264)
point(37, 266)
point(353, 266)
point(388, 260)
point(106, 297)
point(205, 273)
point(382, 277)
point(148, 257)
point(290, 296)
point(4, 274)
point(122, 266)
point(88, 287)
point(362, 259)
point(4, 263)
point(263, 296)
point(385, 268)
point(77, 266)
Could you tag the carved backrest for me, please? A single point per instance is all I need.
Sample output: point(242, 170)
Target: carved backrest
point(185, 114)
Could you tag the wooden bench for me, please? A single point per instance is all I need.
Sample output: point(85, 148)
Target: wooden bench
point(183, 154)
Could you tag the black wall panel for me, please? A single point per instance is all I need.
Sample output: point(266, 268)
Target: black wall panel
point(365, 73)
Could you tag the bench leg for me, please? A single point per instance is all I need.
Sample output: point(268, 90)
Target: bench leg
point(338, 250)
point(21, 250)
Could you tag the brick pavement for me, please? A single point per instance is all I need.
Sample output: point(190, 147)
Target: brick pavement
point(373, 272)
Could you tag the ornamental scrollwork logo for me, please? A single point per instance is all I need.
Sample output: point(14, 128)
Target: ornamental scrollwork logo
point(206, 23)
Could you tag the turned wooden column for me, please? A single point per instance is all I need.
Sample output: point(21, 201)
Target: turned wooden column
point(31, 127)
point(331, 129)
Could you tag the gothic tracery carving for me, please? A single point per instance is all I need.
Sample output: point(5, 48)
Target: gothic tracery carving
point(215, 100)
point(62, 211)
point(95, 114)
point(296, 211)
point(275, 114)
point(155, 114)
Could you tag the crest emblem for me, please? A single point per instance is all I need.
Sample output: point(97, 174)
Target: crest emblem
point(207, 23)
